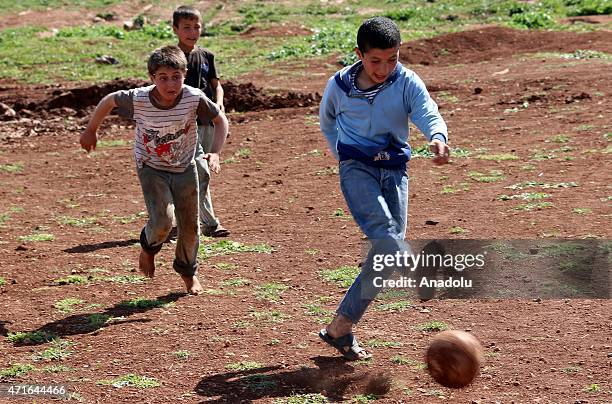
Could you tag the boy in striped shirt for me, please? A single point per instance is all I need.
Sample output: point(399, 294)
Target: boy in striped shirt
point(165, 114)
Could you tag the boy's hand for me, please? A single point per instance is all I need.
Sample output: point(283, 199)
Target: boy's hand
point(441, 152)
point(88, 140)
point(213, 162)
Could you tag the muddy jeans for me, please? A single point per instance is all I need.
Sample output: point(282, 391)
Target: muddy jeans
point(169, 195)
point(205, 140)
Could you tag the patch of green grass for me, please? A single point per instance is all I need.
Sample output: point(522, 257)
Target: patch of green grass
point(273, 316)
point(343, 276)
point(99, 320)
point(532, 20)
point(131, 380)
point(340, 214)
point(225, 247)
point(312, 398)
point(130, 218)
point(57, 368)
point(182, 355)
point(392, 294)
point(534, 206)
point(433, 326)
point(364, 398)
point(16, 370)
point(559, 139)
point(67, 305)
point(592, 388)
point(38, 237)
point(235, 282)
point(457, 230)
point(58, 351)
point(2, 281)
point(335, 37)
point(270, 291)
point(498, 157)
point(77, 221)
point(273, 342)
point(11, 168)
point(73, 279)
point(492, 176)
point(144, 303)
point(525, 196)
point(243, 366)
point(243, 153)
point(563, 249)
point(582, 54)
point(401, 360)
point(226, 267)
point(541, 155)
point(377, 343)
point(571, 369)
point(258, 382)
point(582, 211)
point(402, 305)
point(34, 337)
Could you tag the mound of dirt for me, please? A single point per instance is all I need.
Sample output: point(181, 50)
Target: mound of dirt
point(77, 101)
point(247, 97)
point(492, 42)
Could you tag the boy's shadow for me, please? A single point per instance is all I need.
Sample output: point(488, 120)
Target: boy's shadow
point(332, 378)
point(90, 322)
point(85, 248)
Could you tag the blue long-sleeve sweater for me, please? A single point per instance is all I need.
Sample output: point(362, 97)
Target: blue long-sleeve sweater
point(377, 132)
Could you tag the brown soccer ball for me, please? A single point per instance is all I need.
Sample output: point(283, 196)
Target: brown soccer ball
point(454, 358)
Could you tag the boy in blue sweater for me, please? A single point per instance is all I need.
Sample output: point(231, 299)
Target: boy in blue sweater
point(364, 115)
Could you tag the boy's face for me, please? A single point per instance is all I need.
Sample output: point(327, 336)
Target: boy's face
point(168, 82)
point(378, 64)
point(188, 31)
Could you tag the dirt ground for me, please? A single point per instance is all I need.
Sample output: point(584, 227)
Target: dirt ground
point(278, 186)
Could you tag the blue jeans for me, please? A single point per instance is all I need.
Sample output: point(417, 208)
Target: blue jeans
point(378, 201)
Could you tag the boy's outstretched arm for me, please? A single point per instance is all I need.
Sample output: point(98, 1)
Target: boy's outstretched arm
point(89, 137)
point(221, 129)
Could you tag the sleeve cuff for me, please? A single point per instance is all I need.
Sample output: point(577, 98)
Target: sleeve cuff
point(440, 137)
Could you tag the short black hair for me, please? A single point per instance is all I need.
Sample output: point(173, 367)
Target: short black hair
point(379, 33)
point(167, 56)
point(185, 12)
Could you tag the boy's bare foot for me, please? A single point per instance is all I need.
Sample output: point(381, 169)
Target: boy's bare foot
point(192, 284)
point(146, 264)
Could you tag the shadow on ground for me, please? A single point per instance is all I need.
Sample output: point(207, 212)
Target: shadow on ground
point(332, 377)
point(86, 323)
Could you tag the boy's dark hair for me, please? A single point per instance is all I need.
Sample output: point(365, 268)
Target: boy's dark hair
point(185, 12)
point(379, 33)
point(167, 56)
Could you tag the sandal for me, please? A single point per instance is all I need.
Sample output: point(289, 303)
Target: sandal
point(215, 231)
point(347, 345)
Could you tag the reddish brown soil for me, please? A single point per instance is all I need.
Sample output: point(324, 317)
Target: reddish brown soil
point(284, 194)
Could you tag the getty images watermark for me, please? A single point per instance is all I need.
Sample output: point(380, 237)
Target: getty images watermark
point(481, 268)
point(422, 264)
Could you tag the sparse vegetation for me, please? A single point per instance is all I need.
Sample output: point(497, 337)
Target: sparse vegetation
point(131, 380)
point(243, 366)
point(343, 276)
point(433, 326)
